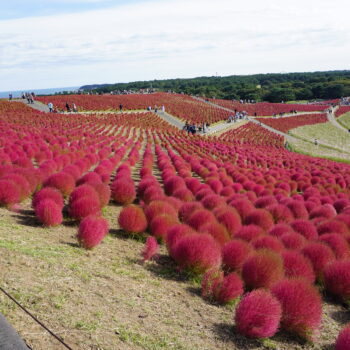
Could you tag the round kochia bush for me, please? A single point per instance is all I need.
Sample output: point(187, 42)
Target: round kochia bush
point(48, 193)
point(263, 269)
point(337, 279)
point(123, 191)
point(343, 340)
point(258, 314)
point(197, 253)
point(92, 230)
point(234, 254)
point(64, 182)
point(132, 219)
point(48, 212)
point(301, 305)
point(9, 193)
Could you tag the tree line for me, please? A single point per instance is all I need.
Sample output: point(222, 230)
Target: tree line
point(258, 87)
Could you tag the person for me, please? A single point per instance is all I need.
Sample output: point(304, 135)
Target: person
point(316, 142)
point(74, 108)
point(163, 108)
point(10, 97)
point(120, 107)
point(155, 109)
point(67, 106)
point(186, 127)
point(50, 105)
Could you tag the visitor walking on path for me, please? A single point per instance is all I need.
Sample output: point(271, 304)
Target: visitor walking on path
point(50, 105)
point(67, 106)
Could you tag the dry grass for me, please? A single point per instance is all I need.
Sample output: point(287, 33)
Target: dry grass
point(345, 120)
point(325, 133)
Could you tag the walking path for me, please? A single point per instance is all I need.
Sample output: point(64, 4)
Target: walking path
point(331, 118)
point(36, 105)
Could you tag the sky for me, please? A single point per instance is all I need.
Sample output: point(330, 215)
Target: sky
point(59, 43)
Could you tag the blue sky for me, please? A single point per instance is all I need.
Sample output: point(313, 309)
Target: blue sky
point(55, 43)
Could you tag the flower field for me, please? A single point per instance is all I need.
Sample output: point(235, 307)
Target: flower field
point(182, 106)
point(264, 232)
point(288, 123)
point(269, 109)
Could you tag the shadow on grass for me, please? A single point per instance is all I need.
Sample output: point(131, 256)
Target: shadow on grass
point(165, 267)
point(229, 333)
point(126, 236)
point(27, 220)
point(71, 244)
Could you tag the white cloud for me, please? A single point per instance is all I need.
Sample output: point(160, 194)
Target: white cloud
point(168, 38)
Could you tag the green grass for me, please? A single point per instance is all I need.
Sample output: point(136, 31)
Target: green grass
point(344, 120)
point(149, 342)
point(45, 252)
point(327, 133)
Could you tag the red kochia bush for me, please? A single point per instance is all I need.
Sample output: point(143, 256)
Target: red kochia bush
point(258, 314)
point(21, 183)
point(332, 226)
point(160, 224)
point(249, 232)
point(123, 191)
point(216, 230)
point(159, 207)
point(187, 209)
point(263, 269)
point(337, 243)
point(200, 217)
point(298, 209)
point(296, 265)
point(9, 193)
point(83, 207)
point(280, 213)
point(243, 207)
point(150, 249)
point(132, 219)
point(234, 254)
point(343, 340)
point(103, 192)
point(337, 279)
point(81, 191)
point(229, 289)
point(91, 231)
point(211, 282)
point(305, 228)
point(175, 233)
point(293, 240)
point(229, 217)
point(64, 182)
point(280, 229)
point(268, 242)
point(259, 217)
point(301, 307)
point(320, 255)
point(325, 211)
point(49, 213)
point(197, 253)
point(48, 193)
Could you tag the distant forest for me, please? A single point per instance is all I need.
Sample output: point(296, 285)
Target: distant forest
point(258, 87)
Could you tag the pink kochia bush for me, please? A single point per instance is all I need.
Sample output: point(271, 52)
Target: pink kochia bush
point(258, 314)
point(132, 219)
point(48, 212)
point(197, 253)
point(223, 289)
point(48, 193)
point(150, 249)
point(262, 269)
point(64, 182)
point(123, 191)
point(260, 217)
point(234, 254)
point(92, 230)
point(296, 265)
point(337, 279)
point(301, 305)
point(343, 340)
point(84, 207)
point(9, 193)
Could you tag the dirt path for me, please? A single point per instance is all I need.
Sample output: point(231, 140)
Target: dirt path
point(331, 118)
